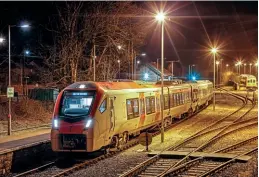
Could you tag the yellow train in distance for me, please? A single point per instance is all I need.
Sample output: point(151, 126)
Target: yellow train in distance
point(90, 116)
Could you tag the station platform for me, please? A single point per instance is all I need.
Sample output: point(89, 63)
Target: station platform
point(24, 140)
point(181, 154)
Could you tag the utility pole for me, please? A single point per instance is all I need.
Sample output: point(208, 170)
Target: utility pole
point(172, 64)
point(94, 57)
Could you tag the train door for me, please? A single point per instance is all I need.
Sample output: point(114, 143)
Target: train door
point(112, 114)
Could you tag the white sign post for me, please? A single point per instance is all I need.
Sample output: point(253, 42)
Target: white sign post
point(10, 92)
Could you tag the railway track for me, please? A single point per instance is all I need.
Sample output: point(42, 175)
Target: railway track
point(165, 166)
point(204, 167)
point(158, 166)
point(67, 171)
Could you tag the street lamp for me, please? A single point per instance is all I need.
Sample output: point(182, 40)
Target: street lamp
point(214, 51)
point(119, 62)
point(161, 17)
point(1, 40)
point(227, 67)
point(217, 63)
point(9, 85)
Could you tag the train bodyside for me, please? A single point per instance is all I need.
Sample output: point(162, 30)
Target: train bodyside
point(118, 113)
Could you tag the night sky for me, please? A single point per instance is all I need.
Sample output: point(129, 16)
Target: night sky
point(233, 24)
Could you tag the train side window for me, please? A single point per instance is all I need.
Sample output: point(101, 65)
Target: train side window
point(183, 97)
point(175, 99)
point(132, 108)
point(166, 102)
point(103, 106)
point(148, 106)
point(129, 109)
point(157, 104)
point(153, 105)
point(171, 101)
point(135, 107)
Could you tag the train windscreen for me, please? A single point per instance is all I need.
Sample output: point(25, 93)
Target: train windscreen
point(76, 103)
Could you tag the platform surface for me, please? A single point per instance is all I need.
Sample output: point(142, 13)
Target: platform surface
point(23, 140)
point(180, 154)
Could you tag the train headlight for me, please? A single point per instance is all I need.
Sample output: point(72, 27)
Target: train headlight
point(88, 123)
point(55, 123)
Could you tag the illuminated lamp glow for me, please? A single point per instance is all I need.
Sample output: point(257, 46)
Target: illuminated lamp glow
point(82, 86)
point(146, 76)
point(88, 123)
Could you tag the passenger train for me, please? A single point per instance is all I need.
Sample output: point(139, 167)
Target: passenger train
point(247, 81)
point(90, 116)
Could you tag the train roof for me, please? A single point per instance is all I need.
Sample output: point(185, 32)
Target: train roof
point(114, 85)
point(123, 85)
point(247, 75)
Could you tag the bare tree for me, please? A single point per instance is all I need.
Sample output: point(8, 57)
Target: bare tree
point(103, 24)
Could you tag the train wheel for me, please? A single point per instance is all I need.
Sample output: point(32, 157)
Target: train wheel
point(115, 143)
point(125, 137)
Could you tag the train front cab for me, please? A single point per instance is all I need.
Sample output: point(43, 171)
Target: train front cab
point(74, 119)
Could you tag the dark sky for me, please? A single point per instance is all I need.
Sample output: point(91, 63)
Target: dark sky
point(233, 24)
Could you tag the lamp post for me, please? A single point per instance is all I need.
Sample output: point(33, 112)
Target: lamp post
point(161, 17)
point(119, 62)
point(214, 51)
point(26, 52)
point(250, 68)
point(9, 85)
point(191, 68)
point(239, 67)
point(227, 67)
point(135, 63)
point(217, 64)
point(244, 68)
point(236, 65)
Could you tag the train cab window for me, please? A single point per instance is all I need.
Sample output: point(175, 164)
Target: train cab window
point(103, 106)
point(132, 108)
point(253, 81)
point(76, 104)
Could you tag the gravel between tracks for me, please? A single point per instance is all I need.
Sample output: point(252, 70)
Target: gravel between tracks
point(123, 161)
